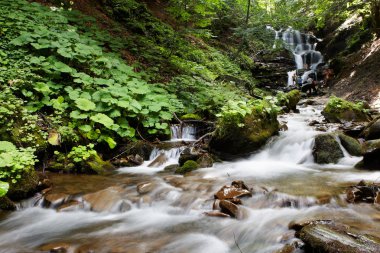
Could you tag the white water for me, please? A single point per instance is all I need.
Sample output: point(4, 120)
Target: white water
point(170, 217)
point(183, 132)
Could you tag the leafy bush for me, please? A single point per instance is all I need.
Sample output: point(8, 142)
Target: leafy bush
point(72, 77)
point(15, 161)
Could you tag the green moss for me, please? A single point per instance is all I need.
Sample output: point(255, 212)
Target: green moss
point(339, 110)
point(191, 116)
point(189, 166)
point(326, 149)
point(6, 204)
point(289, 100)
point(25, 186)
point(352, 145)
point(97, 165)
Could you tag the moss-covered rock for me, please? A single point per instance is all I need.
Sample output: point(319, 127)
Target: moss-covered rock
point(95, 164)
point(25, 187)
point(205, 161)
point(189, 166)
point(326, 149)
point(238, 135)
point(6, 204)
point(339, 110)
point(352, 145)
point(191, 116)
point(289, 100)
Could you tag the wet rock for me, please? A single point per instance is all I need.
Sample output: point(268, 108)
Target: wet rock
point(229, 208)
point(289, 100)
point(141, 148)
point(171, 168)
point(240, 184)
point(71, 205)
point(352, 145)
point(362, 192)
point(96, 165)
point(145, 187)
point(371, 155)
point(189, 166)
point(326, 149)
point(129, 161)
point(372, 130)
point(25, 187)
point(6, 204)
point(108, 199)
point(186, 156)
point(56, 247)
point(160, 160)
point(294, 247)
point(353, 129)
point(332, 238)
point(205, 161)
point(55, 199)
point(283, 127)
point(217, 214)
point(229, 192)
point(314, 122)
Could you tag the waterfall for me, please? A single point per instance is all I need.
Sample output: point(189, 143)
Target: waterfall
point(302, 46)
point(183, 132)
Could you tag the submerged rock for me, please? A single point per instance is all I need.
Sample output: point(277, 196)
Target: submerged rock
point(326, 149)
point(229, 208)
point(109, 199)
point(159, 160)
point(331, 238)
point(362, 192)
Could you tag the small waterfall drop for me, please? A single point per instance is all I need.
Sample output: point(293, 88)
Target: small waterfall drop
point(183, 132)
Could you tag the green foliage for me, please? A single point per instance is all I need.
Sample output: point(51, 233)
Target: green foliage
point(75, 159)
point(191, 116)
point(69, 75)
point(15, 161)
point(338, 105)
point(4, 186)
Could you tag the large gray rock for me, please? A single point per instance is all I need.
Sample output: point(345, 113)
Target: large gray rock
point(371, 155)
point(326, 149)
point(325, 237)
point(372, 130)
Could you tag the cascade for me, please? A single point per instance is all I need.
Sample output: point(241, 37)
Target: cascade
point(303, 48)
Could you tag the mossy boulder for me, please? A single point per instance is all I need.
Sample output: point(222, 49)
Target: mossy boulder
point(25, 187)
point(191, 116)
point(339, 110)
point(6, 204)
point(239, 135)
point(96, 165)
point(189, 166)
point(326, 149)
point(352, 145)
point(372, 130)
point(289, 100)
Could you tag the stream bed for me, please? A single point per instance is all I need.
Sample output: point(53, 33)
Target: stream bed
point(144, 209)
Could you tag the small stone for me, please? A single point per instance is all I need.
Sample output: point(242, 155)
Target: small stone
point(229, 208)
point(217, 214)
point(145, 187)
point(160, 160)
point(228, 192)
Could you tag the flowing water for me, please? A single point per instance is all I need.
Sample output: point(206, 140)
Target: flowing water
point(168, 216)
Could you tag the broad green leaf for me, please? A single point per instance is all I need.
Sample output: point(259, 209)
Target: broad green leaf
point(85, 128)
point(7, 146)
point(102, 119)
point(4, 186)
point(62, 67)
point(78, 115)
point(111, 142)
point(85, 104)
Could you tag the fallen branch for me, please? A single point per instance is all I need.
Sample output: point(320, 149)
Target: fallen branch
point(203, 137)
